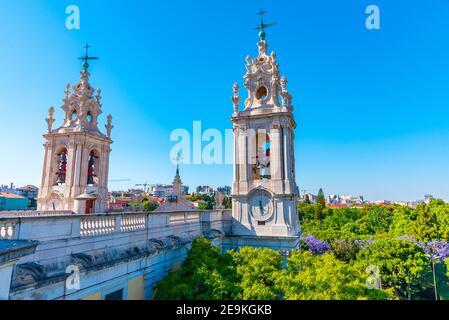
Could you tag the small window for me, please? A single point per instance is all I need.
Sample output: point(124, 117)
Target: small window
point(261, 93)
point(89, 117)
point(260, 223)
point(74, 115)
point(116, 295)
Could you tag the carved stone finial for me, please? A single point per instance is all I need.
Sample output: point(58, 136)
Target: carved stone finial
point(236, 98)
point(262, 46)
point(67, 91)
point(98, 95)
point(50, 120)
point(273, 62)
point(249, 64)
point(219, 198)
point(285, 95)
point(109, 126)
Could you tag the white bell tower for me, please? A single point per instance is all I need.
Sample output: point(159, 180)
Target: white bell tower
point(265, 194)
point(76, 161)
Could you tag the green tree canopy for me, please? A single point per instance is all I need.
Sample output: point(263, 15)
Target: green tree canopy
point(205, 275)
point(320, 199)
point(258, 269)
point(402, 265)
point(323, 277)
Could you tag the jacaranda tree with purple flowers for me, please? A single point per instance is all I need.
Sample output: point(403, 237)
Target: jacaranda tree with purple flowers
point(315, 246)
point(437, 250)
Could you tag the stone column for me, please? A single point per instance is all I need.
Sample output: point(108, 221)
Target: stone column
point(71, 154)
point(287, 152)
point(276, 152)
point(236, 161)
point(49, 165)
point(77, 170)
point(243, 154)
point(83, 168)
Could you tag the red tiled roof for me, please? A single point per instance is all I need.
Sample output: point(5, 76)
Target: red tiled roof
point(10, 195)
point(28, 187)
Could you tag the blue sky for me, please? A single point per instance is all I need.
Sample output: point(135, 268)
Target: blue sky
point(372, 106)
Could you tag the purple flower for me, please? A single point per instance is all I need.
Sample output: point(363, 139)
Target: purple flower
point(363, 244)
point(436, 250)
point(316, 246)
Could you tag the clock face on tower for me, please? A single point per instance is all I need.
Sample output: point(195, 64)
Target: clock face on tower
point(261, 206)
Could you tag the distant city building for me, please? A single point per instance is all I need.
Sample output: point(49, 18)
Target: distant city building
point(9, 189)
point(225, 189)
point(309, 196)
point(30, 192)
point(161, 190)
point(427, 198)
point(11, 201)
point(205, 190)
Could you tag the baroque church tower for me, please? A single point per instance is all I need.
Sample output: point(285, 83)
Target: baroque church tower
point(76, 161)
point(265, 194)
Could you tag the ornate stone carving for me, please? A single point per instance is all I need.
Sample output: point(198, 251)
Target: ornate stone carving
point(219, 197)
point(67, 92)
point(29, 272)
point(155, 245)
point(109, 126)
point(275, 125)
point(50, 120)
point(83, 259)
point(249, 64)
point(285, 95)
point(236, 98)
point(262, 47)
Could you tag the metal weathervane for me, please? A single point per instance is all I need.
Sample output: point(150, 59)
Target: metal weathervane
point(86, 58)
point(263, 25)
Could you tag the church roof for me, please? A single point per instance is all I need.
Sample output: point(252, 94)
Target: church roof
point(82, 107)
point(177, 202)
point(267, 90)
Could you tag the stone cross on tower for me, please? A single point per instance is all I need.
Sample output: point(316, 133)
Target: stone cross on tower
point(263, 25)
point(86, 57)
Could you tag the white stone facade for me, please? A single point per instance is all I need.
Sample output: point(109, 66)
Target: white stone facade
point(76, 161)
point(265, 193)
point(110, 250)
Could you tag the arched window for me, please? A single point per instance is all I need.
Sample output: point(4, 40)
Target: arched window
point(61, 162)
point(261, 93)
point(74, 115)
point(261, 166)
point(92, 177)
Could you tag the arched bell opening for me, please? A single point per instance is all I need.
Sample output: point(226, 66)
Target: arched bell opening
point(261, 156)
point(93, 168)
point(61, 160)
point(261, 93)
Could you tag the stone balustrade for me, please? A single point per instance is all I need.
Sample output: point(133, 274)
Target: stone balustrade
point(6, 230)
point(122, 243)
point(33, 213)
point(56, 225)
point(133, 223)
point(96, 226)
